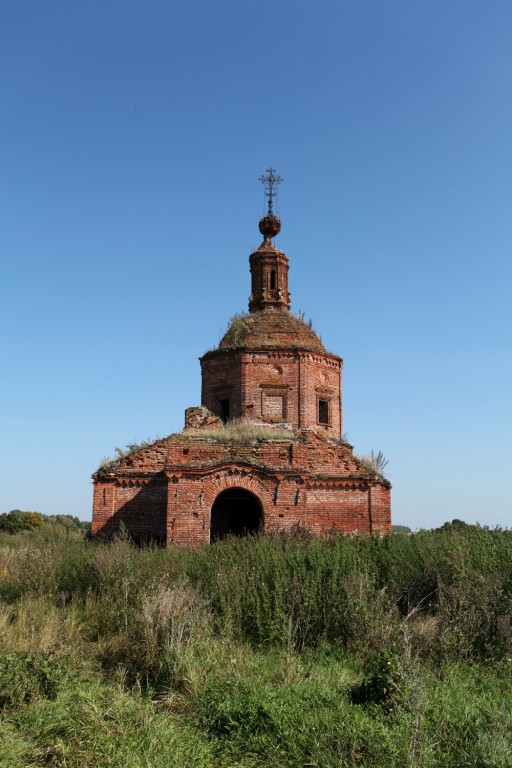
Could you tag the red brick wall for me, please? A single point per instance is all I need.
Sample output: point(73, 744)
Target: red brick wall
point(221, 379)
point(138, 504)
point(269, 375)
point(298, 377)
point(286, 503)
point(133, 492)
point(380, 509)
point(320, 377)
point(311, 481)
point(191, 499)
point(166, 491)
point(103, 505)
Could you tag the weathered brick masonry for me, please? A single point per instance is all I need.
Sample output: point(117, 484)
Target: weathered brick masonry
point(270, 369)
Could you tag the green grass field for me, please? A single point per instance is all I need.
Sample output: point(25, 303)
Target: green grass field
point(285, 651)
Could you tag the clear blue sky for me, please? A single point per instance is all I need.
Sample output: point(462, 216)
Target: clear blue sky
point(132, 135)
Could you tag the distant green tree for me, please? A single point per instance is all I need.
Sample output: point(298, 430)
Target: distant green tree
point(17, 520)
point(68, 521)
point(400, 529)
point(456, 524)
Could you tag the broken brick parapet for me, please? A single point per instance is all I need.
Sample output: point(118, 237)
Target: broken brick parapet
point(148, 458)
point(199, 417)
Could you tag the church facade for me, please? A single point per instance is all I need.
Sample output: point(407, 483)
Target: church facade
point(264, 451)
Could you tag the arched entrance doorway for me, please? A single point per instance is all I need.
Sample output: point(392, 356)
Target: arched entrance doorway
point(235, 512)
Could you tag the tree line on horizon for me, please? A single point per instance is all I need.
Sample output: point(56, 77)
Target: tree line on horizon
point(17, 520)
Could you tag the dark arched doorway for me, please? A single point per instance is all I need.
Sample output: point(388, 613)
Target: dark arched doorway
point(235, 512)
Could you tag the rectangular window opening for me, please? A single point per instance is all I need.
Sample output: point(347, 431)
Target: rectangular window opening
point(224, 410)
point(323, 412)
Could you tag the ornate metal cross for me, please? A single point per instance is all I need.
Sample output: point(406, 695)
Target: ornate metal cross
point(271, 181)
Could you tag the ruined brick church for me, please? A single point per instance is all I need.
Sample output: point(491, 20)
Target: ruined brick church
point(264, 451)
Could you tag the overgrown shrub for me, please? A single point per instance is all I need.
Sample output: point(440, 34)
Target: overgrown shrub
point(293, 592)
point(25, 676)
point(153, 646)
point(16, 520)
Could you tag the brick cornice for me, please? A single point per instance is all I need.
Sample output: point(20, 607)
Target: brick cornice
point(230, 468)
point(274, 352)
point(123, 472)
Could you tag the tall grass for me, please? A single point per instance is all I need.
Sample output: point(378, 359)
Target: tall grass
point(286, 651)
point(243, 430)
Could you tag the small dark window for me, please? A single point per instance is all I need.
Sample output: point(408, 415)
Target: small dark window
point(224, 410)
point(323, 412)
point(273, 280)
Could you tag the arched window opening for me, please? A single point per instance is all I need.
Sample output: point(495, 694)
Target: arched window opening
point(273, 280)
point(235, 512)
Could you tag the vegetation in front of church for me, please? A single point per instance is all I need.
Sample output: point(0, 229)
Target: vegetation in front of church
point(286, 651)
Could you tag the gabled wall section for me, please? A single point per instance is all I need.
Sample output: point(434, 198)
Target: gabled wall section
point(306, 481)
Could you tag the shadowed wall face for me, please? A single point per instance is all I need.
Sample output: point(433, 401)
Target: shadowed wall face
point(140, 507)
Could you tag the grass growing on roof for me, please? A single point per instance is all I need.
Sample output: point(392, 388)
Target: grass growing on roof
point(242, 431)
